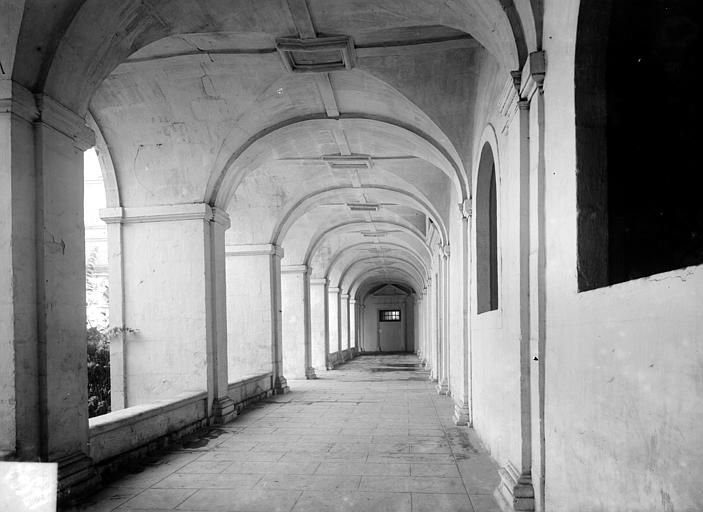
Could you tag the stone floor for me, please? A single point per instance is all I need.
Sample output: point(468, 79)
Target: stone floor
point(370, 436)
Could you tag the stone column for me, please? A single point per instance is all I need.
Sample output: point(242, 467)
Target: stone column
point(353, 330)
point(335, 344)
point(344, 326)
point(319, 323)
point(425, 327)
point(254, 312)
point(443, 332)
point(43, 372)
point(418, 327)
point(173, 292)
point(433, 337)
point(297, 354)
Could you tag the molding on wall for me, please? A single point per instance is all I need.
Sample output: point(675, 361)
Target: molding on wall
point(168, 213)
point(294, 269)
point(254, 250)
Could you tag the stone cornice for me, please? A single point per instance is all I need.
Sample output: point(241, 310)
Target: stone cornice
point(254, 250)
point(295, 269)
point(62, 119)
point(167, 213)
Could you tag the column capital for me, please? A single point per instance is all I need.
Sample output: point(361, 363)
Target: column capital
point(345, 296)
point(166, 213)
point(254, 250)
point(295, 269)
point(352, 302)
point(62, 119)
point(221, 217)
point(334, 289)
point(320, 281)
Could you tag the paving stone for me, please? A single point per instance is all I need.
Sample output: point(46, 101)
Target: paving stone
point(354, 440)
point(353, 502)
point(157, 499)
point(425, 502)
point(228, 500)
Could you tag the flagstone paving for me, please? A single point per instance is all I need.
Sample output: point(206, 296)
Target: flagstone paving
point(372, 435)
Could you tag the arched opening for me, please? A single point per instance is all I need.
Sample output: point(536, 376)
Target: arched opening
point(97, 286)
point(487, 233)
point(639, 212)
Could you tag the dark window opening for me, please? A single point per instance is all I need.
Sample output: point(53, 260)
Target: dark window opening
point(639, 184)
point(389, 315)
point(487, 233)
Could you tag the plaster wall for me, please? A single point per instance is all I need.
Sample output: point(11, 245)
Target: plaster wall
point(249, 315)
point(624, 363)
point(496, 334)
point(165, 300)
point(293, 297)
point(371, 323)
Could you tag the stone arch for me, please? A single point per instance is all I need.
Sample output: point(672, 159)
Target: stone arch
point(349, 268)
point(342, 252)
point(315, 242)
point(308, 202)
point(256, 150)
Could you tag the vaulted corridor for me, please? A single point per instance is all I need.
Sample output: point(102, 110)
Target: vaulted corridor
point(371, 436)
point(210, 209)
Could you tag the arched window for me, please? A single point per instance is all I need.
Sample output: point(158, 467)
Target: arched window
point(637, 136)
point(487, 233)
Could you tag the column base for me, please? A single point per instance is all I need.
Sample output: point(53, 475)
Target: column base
point(442, 387)
point(515, 492)
point(310, 373)
point(461, 414)
point(280, 386)
point(76, 475)
point(223, 411)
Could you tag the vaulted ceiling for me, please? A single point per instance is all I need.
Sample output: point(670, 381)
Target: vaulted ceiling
point(341, 130)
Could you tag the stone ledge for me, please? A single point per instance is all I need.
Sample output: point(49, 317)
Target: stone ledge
point(126, 417)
